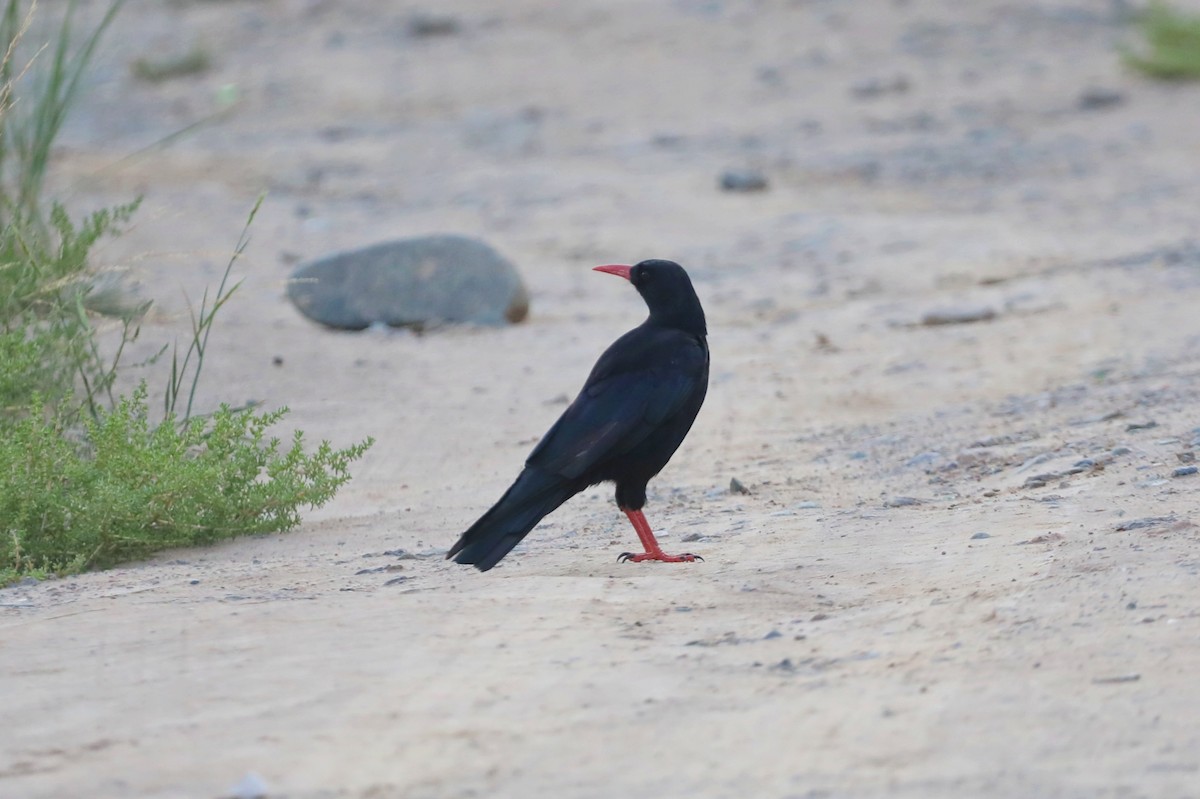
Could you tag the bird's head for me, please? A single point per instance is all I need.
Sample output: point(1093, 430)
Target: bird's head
point(667, 290)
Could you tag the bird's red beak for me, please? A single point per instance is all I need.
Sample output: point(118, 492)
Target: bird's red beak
point(620, 270)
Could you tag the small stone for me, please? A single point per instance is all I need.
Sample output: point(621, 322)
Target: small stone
point(959, 315)
point(422, 25)
point(1184, 471)
point(736, 487)
point(869, 88)
point(1121, 678)
point(980, 536)
point(807, 504)
point(1095, 97)
point(743, 180)
point(1141, 426)
point(1118, 451)
point(1186, 457)
point(690, 537)
point(902, 502)
point(772, 635)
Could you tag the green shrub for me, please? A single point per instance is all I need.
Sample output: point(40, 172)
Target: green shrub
point(127, 488)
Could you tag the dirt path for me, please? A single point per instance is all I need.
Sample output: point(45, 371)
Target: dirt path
point(964, 568)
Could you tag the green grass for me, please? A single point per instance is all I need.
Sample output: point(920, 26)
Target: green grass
point(30, 128)
point(1172, 48)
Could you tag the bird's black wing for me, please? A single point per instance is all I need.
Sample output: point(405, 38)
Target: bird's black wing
point(620, 406)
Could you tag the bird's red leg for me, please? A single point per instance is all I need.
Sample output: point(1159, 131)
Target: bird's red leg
point(653, 551)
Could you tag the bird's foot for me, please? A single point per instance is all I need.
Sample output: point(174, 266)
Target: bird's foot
point(630, 557)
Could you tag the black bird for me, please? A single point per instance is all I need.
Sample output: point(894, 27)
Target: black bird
point(633, 412)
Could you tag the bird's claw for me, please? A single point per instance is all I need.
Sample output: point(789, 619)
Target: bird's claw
point(630, 557)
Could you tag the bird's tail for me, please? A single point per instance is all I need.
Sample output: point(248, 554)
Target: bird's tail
point(531, 497)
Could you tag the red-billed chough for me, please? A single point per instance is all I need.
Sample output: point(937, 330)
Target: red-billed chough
point(633, 412)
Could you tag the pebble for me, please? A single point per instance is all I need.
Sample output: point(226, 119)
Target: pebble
point(902, 502)
point(412, 282)
point(877, 87)
point(1095, 97)
point(736, 487)
point(1141, 426)
point(1121, 678)
point(1184, 471)
point(772, 634)
point(421, 25)
point(980, 536)
point(958, 315)
point(1118, 451)
point(744, 180)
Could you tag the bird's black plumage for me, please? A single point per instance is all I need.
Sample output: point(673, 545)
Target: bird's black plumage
point(631, 415)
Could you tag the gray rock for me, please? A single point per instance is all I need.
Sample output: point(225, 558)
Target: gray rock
point(743, 180)
point(877, 87)
point(1096, 97)
point(417, 282)
point(425, 24)
point(1184, 471)
point(980, 536)
point(958, 315)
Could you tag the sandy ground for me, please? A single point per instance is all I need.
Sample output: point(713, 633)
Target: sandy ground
point(896, 609)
